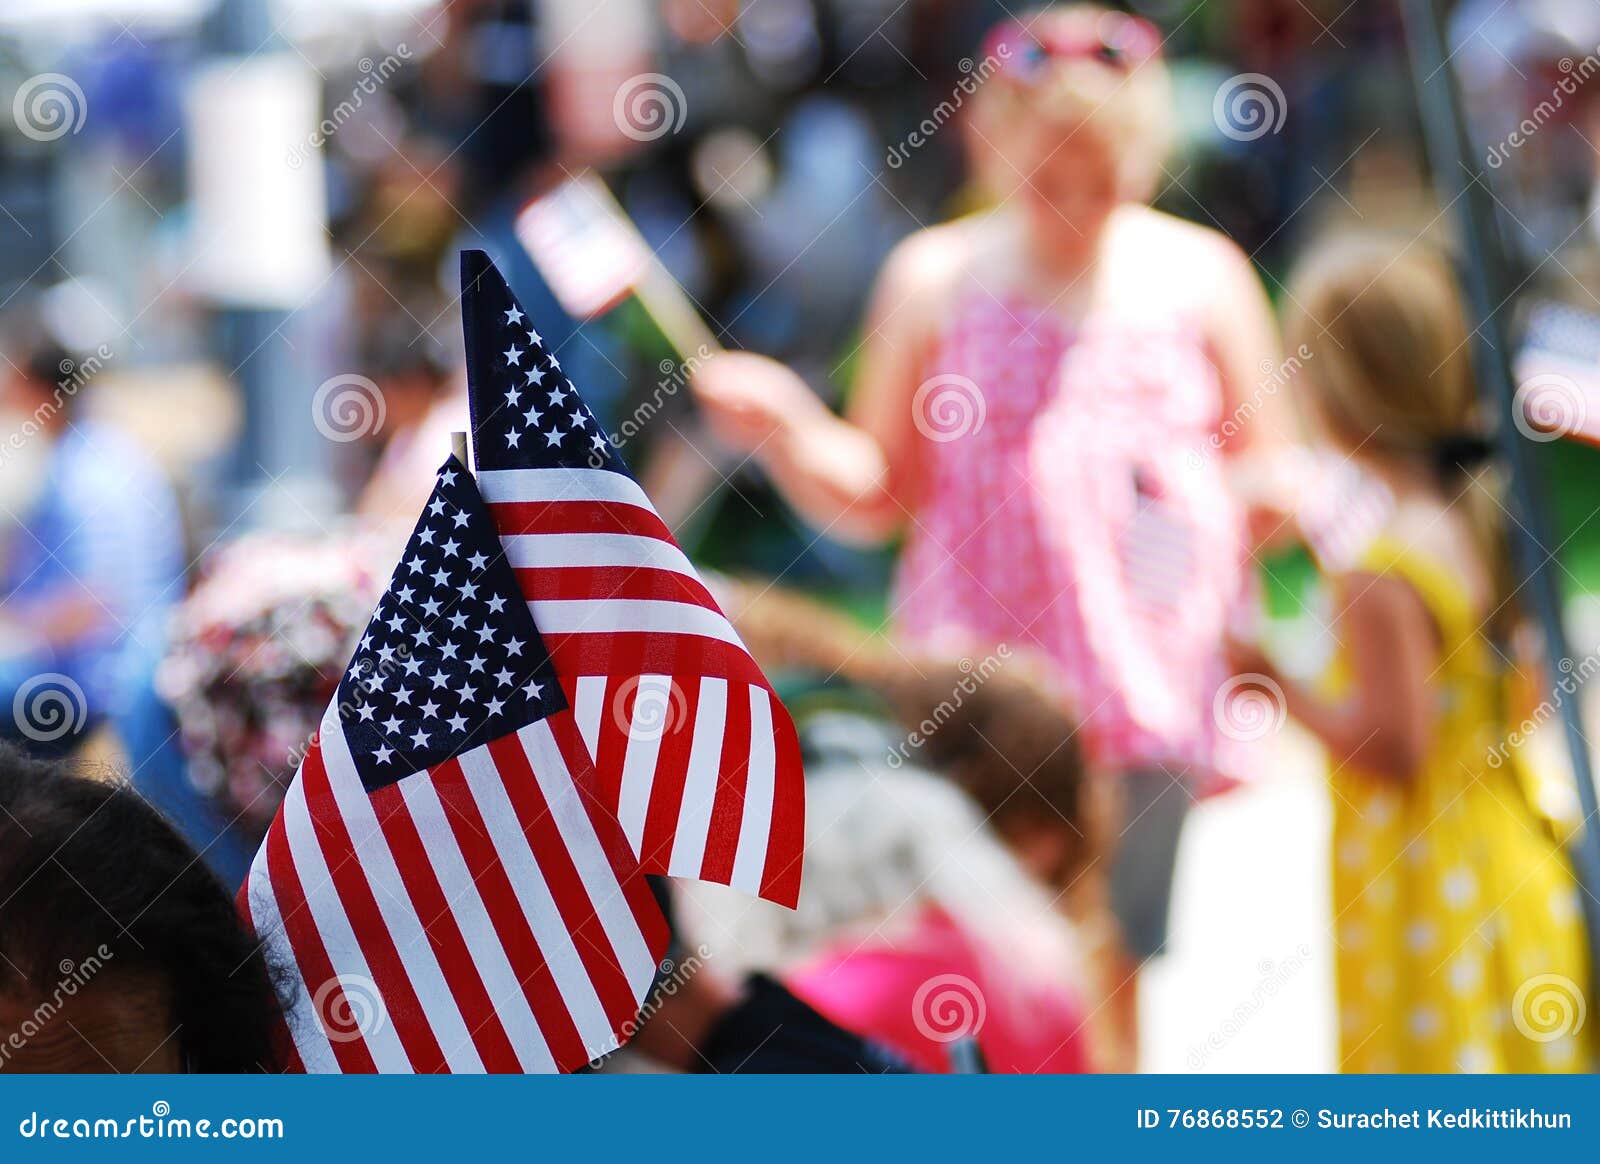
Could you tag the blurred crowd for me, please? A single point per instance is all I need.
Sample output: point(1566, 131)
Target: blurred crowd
point(1004, 656)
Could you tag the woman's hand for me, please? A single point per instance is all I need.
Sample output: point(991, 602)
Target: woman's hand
point(750, 400)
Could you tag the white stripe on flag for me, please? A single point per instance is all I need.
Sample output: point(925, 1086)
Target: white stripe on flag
point(700, 782)
point(761, 779)
point(630, 616)
point(653, 692)
point(377, 862)
point(532, 888)
point(589, 706)
point(310, 1041)
point(597, 485)
point(594, 866)
point(553, 551)
point(338, 938)
point(482, 940)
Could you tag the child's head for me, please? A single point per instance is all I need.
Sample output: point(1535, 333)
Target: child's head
point(1010, 743)
point(1390, 371)
point(119, 951)
point(1390, 376)
point(1073, 116)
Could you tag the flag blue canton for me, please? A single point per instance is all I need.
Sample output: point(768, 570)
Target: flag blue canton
point(451, 658)
point(525, 412)
point(1562, 330)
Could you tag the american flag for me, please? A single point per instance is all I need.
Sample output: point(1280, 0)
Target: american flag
point(441, 878)
point(696, 755)
point(589, 254)
point(1558, 374)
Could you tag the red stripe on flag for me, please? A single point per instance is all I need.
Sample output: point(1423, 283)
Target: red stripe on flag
point(444, 935)
point(578, 912)
point(780, 879)
point(624, 654)
point(564, 729)
point(377, 945)
point(553, 517)
point(666, 792)
point(487, 866)
point(613, 582)
point(733, 775)
point(311, 957)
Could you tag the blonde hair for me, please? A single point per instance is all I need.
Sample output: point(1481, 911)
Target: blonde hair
point(1391, 372)
point(1126, 111)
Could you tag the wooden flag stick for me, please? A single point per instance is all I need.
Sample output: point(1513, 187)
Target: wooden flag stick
point(458, 449)
point(663, 298)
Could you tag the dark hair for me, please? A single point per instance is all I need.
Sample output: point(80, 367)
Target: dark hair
point(87, 864)
point(1004, 737)
point(47, 363)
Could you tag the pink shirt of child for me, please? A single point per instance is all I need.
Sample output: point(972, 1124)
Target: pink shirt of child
point(922, 989)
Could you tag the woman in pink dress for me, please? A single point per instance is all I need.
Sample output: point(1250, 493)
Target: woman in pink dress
point(1051, 393)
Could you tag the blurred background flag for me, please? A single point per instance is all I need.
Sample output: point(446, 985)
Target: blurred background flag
point(1558, 373)
point(696, 754)
point(589, 254)
point(441, 876)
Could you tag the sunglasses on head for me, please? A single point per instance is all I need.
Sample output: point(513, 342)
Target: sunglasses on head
point(1115, 39)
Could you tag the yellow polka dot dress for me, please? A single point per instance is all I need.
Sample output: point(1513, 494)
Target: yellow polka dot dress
point(1457, 928)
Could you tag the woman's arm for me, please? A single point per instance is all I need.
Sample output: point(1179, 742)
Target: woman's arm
point(1261, 429)
point(852, 478)
point(1386, 724)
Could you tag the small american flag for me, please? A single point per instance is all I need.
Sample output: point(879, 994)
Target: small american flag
point(1558, 374)
point(696, 755)
point(589, 254)
point(441, 878)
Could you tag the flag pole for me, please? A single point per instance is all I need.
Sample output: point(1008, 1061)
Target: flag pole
point(1458, 175)
point(458, 449)
point(686, 479)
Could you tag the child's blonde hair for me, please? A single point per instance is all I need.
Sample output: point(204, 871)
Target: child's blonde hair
point(1091, 70)
point(1391, 373)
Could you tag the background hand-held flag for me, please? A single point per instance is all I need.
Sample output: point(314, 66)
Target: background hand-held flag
point(695, 754)
point(442, 877)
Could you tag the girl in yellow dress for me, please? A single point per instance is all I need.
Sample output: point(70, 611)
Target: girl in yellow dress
point(1457, 926)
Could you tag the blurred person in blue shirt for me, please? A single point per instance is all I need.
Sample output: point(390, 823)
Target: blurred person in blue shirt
point(90, 561)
